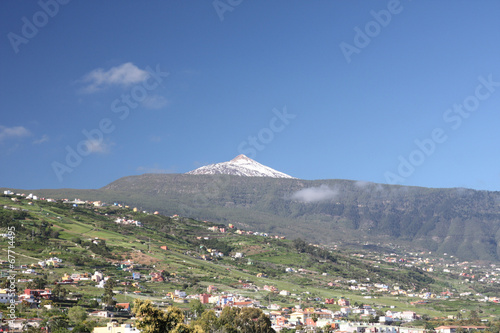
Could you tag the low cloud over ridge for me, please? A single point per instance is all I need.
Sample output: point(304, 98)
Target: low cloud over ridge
point(315, 194)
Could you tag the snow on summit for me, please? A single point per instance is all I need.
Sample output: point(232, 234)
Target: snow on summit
point(239, 166)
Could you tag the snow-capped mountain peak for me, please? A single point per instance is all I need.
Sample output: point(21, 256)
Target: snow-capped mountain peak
point(241, 165)
point(240, 158)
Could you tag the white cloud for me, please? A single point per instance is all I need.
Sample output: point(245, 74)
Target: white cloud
point(315, 194)
point(123, 75)
point(13, 132)
point(97, 146)
point(155, 102)
point(43, 139)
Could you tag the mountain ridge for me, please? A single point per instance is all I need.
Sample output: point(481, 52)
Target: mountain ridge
point(461, 222)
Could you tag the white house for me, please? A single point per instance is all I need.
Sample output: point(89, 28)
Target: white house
point(102, 314)
point(408, 315)
point(114, 327)
point(20, 324)
point(345, 310)
point(97, 277)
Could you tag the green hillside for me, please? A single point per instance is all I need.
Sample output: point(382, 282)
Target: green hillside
point(90, 237)
point(254, 265)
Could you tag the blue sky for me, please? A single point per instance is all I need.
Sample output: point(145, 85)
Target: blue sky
point(404, 92)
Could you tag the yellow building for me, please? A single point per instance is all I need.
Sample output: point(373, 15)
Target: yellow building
point(296, 317)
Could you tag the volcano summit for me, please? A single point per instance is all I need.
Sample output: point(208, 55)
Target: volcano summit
point(239, 166)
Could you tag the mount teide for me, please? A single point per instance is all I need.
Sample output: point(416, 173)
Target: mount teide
point(460, 222)
point(239, 166)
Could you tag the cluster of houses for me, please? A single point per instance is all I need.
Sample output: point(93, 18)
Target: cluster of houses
point(241, 232)
point(123, 220)
point(74, 202)
point(293, 317)
point(313, 318)
point(283, 317)
point(468, 272)
point(491, 275)
point(51, 262)
point(286, 317)
point(32, 296)
point(31, 196)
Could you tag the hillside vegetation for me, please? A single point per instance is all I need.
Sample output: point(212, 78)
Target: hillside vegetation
point(89, 237)
point(194, 255)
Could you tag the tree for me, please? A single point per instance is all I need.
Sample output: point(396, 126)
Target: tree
point(32, 329)
point(287, 330)
point(473, 316)
point(299, 244)
point(57, 324)
point(93, 304)
point(76, 240)
point(81, 328)
point(46, 302)
point(86, 326)
point(77, 314)
point(246, 320)
point(429, 326)
point(209, 321)
point(196, 308)
point(59, 292)
point(153, 320)
point(37, 283)
point(108, 293)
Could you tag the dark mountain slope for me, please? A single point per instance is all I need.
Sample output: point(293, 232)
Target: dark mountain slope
point(460, 222)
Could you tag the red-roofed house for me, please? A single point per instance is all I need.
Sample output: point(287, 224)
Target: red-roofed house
point(244, 304)
point(123, 306)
